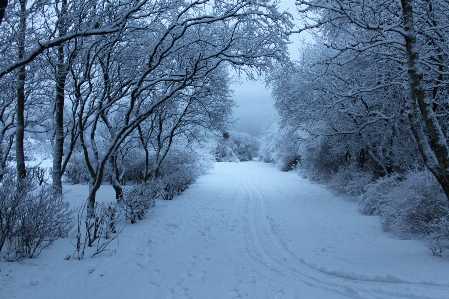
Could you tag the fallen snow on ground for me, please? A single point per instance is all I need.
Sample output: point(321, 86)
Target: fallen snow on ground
point(245, 230)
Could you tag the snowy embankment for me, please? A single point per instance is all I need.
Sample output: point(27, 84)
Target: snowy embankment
point(244, 230)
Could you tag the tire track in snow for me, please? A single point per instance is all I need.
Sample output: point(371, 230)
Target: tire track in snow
point(277, 253)
point(261, 264)
point(246, 258)
point(258, 259)
point(271, 255)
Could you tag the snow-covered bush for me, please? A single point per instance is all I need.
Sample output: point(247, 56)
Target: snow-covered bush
point(137, 200)
point(76, 171)
point(437, 237)
point(280, 146)
point(182, 166)
point(267, 145)
point(225, 149)
point(236, 146)
point(350, 181)
point(245, 145)
point(413, 205)
point(99, 231)
point(408, 205)
point(375, 194)
point(31, 218)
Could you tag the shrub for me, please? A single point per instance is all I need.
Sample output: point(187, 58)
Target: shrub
point(289, 162)
point(100, 230)
point(437, 237)
point(409, 205)
point(375, 194)
point(236, 146)
point(280, 145)
point(137, 200)
point(350, 181)
point(412, 206)
point(31, 218)
point(267, 144)
point(76, 171)
point(225, 151)
point(182, 166)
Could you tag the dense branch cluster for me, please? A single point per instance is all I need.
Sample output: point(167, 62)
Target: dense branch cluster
point(111, 82)
point(368, 100)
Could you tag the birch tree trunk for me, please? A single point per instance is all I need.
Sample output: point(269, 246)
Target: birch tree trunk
point(435, 153)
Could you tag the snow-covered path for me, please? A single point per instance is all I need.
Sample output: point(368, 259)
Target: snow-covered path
point(246, 230)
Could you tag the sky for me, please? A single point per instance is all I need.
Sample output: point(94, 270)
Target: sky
point(255, 106)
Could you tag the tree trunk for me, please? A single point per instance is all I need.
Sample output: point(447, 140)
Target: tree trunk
point(58, 150)
point(435, 154)
point(91, 200)
point(61, 75)
point(20, 108)
point(114, 178)
point(3, 5)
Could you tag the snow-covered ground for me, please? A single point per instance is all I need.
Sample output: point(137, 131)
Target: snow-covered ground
point(245, 230)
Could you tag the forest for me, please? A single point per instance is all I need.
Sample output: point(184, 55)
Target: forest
point(364, 110)
point(139, 91)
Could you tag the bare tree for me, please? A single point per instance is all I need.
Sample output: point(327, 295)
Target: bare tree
point(89, 18)
point(187, 43)
point(410, 35)
point(118, 62)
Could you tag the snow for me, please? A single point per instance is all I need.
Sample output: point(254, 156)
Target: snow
point(245, 230)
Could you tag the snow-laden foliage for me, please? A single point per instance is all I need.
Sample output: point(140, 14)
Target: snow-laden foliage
point(182, 166)
point(103, 78)
point(374, 195)
point(76, 170)
point(350, 180)
point(31, 217)
point(267, 144)
point(381, 76)
point(225, 149)
point(138, 199)
point(437, 236)
point(371, 93)
point(369, 130)
point(93, 235)
point(236, 146)
point(281, 145)
point(409, 205)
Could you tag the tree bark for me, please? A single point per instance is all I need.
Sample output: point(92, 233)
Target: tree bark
point(91, 200)
point(114, 177)
point(421, 113)
point(20, 108)
point(61, 75)
point(3, 5)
